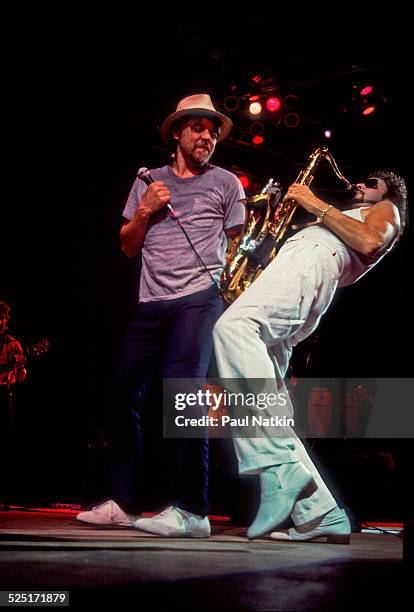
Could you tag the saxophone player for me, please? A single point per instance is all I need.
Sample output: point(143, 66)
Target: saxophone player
point(255, 336)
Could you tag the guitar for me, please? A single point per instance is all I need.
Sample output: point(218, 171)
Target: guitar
point(34, 351)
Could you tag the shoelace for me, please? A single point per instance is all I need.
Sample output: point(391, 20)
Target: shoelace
point(184, 515)
point(164, 512)
point(105, 504)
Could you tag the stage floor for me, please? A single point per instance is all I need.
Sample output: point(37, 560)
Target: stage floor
point(49, 549)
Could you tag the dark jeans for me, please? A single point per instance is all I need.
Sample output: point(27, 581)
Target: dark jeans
point(167, 339)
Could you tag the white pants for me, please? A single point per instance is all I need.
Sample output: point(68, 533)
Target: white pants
point(254, 339)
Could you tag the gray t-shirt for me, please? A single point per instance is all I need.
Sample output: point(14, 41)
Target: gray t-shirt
point(206, 204)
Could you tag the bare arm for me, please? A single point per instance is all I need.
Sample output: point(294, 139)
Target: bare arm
point(380, 226)
point(18, 372)
point(233, 234)
point(133, 232)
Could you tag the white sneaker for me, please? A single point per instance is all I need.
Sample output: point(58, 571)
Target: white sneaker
point(174, 522)
point(108, 513)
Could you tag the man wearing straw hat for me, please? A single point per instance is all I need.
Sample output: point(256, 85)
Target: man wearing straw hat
point(180, 219)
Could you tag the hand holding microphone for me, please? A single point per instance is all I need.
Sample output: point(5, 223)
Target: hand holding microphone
point(157, 195)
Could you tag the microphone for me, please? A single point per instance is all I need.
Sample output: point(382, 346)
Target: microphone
point(145, 175)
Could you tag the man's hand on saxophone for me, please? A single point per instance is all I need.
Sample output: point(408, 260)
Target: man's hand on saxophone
point(305, 198)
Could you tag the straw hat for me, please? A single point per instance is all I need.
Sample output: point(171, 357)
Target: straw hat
point(199, 104)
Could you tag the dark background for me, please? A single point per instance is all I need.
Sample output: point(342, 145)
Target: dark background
point(86, 97)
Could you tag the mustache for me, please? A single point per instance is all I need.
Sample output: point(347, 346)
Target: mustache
point(202, 145)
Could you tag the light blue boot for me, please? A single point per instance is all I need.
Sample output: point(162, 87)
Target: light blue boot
point(334, 526)
point(281, 486)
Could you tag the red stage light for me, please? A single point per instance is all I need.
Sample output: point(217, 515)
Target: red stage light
point(244, 181)
point(368, 110)
point(365, 91)
point(258, 140)
point(257, 78)
point(273, 104)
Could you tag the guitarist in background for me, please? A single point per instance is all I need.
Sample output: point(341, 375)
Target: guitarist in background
point(12, 359)
point(12, 371)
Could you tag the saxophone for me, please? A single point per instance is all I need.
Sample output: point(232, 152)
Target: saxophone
point(267, 219)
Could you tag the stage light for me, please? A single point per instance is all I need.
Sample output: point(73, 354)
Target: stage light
point(231, 103)
point(255, 108)
point(291, 120)
point(366, 99)
point(244, 181)
point(369, 110)
point(290, 101)
point(256, 128)
point(316, 118)
point(258, 140)
point(273, 104)
point(327, 134)
point(257, 78)
point(365, 91)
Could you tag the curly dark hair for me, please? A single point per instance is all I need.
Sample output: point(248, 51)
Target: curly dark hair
point(397, 192)
point(5, 310)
